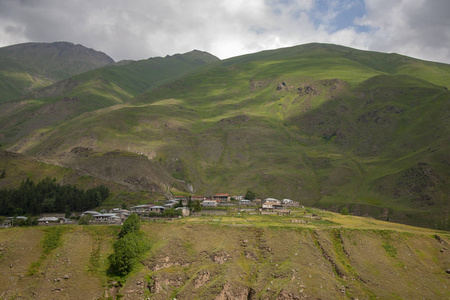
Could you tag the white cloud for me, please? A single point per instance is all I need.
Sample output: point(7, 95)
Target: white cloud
point(139, 29)
point(416, 28)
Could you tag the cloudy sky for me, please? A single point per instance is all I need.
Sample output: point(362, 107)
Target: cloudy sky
point(138, 29)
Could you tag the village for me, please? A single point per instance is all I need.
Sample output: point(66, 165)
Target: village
point(179, 206)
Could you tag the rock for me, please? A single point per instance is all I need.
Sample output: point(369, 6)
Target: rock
point(67, 276)
point(202, 278)
point(220, 257)
point(284, 295)
point(447, 271)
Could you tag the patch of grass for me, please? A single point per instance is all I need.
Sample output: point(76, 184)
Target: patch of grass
point(52, 240)
point(390, 249)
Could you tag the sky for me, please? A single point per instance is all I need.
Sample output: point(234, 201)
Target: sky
point(139, 29)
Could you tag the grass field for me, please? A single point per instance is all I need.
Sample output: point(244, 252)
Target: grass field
point(238, 255)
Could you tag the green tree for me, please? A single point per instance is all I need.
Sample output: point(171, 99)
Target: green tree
point(179, 204)
point(197, 206)
point(126, 251)
point(131, 225)
point(48, 205)
point(250, 195)
point(344, 211)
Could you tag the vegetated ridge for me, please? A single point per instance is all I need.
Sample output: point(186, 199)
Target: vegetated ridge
point(326, 125)
point(26, 67)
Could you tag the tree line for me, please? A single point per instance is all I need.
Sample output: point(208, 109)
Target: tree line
point(48, 196)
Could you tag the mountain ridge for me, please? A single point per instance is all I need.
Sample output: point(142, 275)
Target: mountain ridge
point(28, 66)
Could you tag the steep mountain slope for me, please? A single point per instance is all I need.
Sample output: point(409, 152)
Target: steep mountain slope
point(326, 125)
point(237, 257)
point(93, 90)
point(28, 66)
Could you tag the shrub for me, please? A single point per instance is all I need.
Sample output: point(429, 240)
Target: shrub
point(250, 195)
point(344, 211)
point(84, 220)
point(172, 212)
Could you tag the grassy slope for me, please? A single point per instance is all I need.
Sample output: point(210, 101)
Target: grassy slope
point(359, 141)
point(27, 67)
point(243, 257)
point(93, 90)
point(19, 167)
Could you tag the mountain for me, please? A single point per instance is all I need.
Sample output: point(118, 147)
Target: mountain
point(93, 90)
point(239, 256)
point(326, 125)
point(26, 67)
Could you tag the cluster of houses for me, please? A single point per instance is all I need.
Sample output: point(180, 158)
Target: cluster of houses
point(118, 215)
point(225, 200)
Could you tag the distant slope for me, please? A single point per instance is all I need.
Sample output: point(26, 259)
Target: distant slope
point(326, 125)
point(133, 77)
point(19, 167)
point(96, 89)
point(25, 67)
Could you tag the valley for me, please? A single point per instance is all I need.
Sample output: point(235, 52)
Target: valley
point(325, 125)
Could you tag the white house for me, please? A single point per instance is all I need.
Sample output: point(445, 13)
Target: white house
point(108, 217)
point(288, 202)
point(90, 212)
point(171, 203)
point(142, 209)
point(157, 209)
point(271, 203)
point(209, 203)
point(244, 202)
point(46, 220)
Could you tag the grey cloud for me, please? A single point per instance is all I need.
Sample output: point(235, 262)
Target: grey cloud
point(417, 28)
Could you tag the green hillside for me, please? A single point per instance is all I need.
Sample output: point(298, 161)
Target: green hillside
point(27, 67)
point(93, 90)
point(325, 125)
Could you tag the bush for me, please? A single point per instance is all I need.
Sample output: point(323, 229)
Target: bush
point(250, 195)
point(84, 220)
point(172, 212)
point(344, 211)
